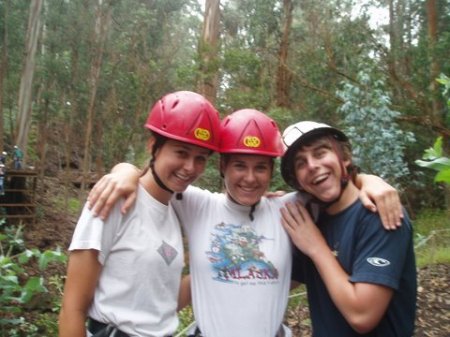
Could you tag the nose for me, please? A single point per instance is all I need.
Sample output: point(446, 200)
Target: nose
point(311, 163)
point(250, 176)
point(189, 165)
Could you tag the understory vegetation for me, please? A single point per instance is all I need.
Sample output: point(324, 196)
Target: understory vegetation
point(31, 280)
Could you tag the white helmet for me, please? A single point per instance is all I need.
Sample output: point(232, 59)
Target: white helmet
point(293, 137)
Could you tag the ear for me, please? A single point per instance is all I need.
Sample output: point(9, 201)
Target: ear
point(222, 166)
point(150, 143)
point(346, 163)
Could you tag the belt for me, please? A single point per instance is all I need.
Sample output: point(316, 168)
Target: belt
point(198, 333)
point(104, 330)
point(99, 329)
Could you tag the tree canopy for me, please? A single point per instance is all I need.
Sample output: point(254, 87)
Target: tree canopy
point(80, 98)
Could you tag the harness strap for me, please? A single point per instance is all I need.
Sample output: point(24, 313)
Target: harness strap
point(99, 329)
point(198, 333)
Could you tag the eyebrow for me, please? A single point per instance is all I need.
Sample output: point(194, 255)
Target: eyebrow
point(188, 148)
point(240, 161)
point(313, 147)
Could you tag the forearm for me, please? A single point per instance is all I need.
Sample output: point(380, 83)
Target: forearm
point(184, 297)
point(354, 300)
point(83, 272)
point(71, 323)
point(122, 182)
point(126, 168)
point(378, 196)
point(364, 179)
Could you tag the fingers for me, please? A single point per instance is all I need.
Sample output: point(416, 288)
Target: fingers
point(274, 194)
point(392, 211)
point(112, 187)
point(95, 193)
point(293, 215)
point(129, 201)
point(287, 221)
point(388, 205)
point(103, 196)
point(367, 202)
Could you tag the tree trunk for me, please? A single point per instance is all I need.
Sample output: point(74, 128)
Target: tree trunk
point(102, 22)
point(208, 50)
point(284, 77)
point(26, 81)
point(436, 103)
point(3, 67)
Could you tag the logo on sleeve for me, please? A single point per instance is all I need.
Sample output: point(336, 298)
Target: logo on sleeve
point(378, 261)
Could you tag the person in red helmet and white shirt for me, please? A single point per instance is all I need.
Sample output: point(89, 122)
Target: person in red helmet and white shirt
point(124, 273)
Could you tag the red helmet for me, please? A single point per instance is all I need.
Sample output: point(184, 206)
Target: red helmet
point(187, 117)
point(250, 131)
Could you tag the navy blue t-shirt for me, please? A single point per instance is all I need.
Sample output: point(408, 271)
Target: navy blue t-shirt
point(369, 254)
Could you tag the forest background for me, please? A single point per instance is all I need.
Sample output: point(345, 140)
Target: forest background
point(77, 78)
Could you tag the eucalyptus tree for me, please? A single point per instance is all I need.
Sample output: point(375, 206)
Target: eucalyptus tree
point(208, 51)
point(152, 50)
point(13, 26)
point(250, 53)
point(378, 141)
point(26, 83)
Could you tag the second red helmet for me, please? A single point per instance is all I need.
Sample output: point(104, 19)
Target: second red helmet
point(250, 131)
point(187, 117)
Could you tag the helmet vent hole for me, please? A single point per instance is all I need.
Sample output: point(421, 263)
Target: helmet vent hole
point(174, 105)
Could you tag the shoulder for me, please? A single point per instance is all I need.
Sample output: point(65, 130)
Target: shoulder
point(194, 192)
point(369, 224)
point(282, 199)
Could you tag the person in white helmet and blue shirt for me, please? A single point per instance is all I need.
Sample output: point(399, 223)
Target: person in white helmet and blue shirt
point(360, 278)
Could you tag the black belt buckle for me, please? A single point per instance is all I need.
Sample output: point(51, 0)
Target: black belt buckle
point(197, 333)
point(99, 329)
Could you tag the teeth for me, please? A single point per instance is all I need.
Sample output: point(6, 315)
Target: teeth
point(247, 189)
point(320, 178)
point(182, 177)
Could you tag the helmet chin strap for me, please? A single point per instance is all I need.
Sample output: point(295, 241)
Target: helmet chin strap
point(325, 204)
point(158, 144)
point(157, 179)
point(179, 195)
point(344, 183)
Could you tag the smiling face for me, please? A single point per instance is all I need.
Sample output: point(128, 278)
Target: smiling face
point(179, 164)
point(318, 169)
point(246, 177)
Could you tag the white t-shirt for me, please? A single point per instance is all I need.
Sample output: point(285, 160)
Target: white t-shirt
point(240, 269)
point(142, 258)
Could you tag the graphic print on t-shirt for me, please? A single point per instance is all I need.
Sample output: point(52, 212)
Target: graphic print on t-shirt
point(235, 254)
point(167, 252)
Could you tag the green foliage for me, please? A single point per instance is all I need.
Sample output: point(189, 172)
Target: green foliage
point(17, 286)
point(186, 317)
point(432, 234)
point(72, 205)
point(434, 159)
point(445, 81)
point(377, 140)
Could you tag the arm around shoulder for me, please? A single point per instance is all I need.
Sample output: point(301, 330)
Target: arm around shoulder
point(122, 182)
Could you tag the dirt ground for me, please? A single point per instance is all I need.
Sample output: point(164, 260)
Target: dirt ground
point(433, 313)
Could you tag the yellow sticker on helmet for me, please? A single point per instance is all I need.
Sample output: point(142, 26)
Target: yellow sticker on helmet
point(202, 134)
point(252, 141)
